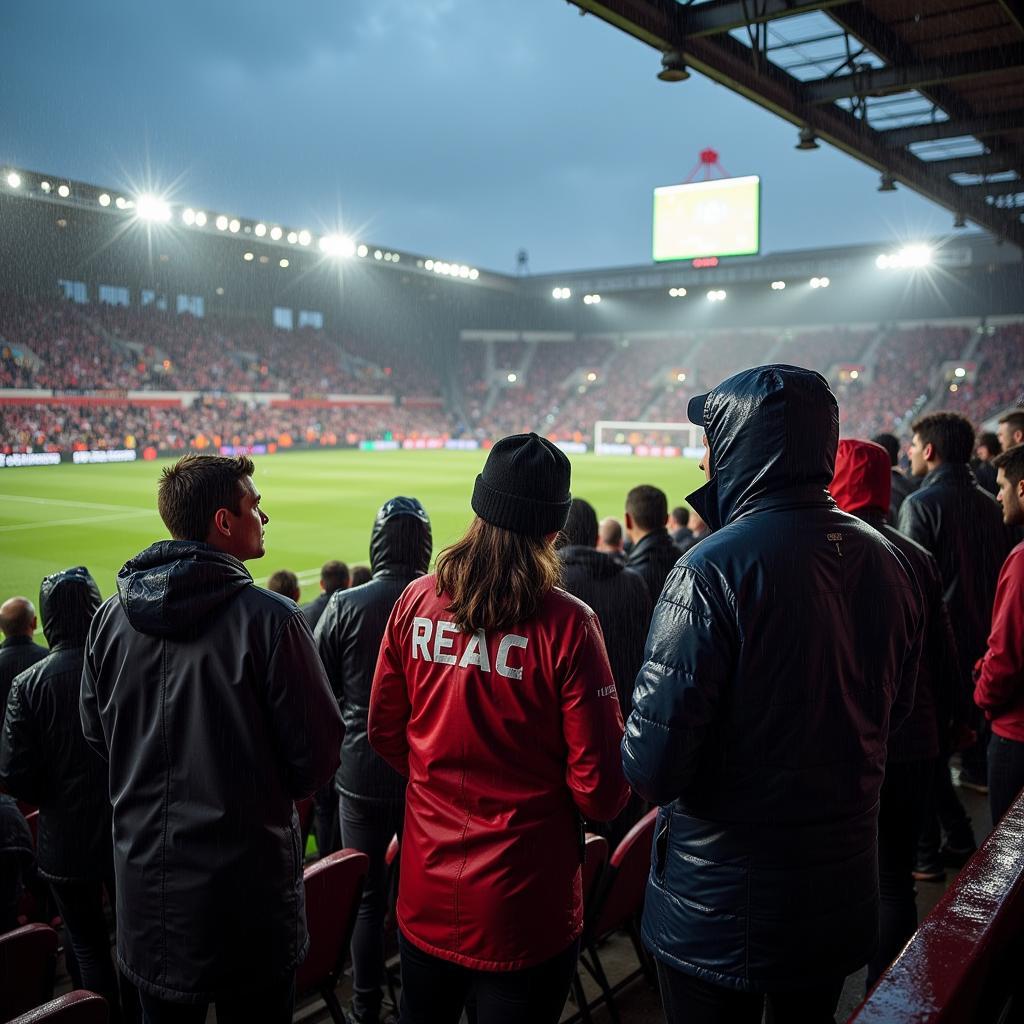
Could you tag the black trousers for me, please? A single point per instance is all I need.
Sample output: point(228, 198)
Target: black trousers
point(1005, 774)
point(688, 1000)
point(272, 1004)
point(434, 991)
point(368, 827)
point(900, 814)
point(943, 805)
point(325, 819)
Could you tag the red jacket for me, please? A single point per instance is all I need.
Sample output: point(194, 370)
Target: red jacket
point(506, 740)
point(999, 674)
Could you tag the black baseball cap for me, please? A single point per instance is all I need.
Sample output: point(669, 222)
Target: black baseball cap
point(695, 409)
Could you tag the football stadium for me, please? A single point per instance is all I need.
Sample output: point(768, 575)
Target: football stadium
point(816, 812)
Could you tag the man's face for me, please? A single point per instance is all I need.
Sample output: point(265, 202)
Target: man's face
point(1011, 497)
point(1007, 437)
point(244, 537)
point(983, 453)
point(918, 465)
point(705, 459)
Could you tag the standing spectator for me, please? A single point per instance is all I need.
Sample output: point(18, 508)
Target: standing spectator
point(1010, 430)
point(759, 727)
point(902, 485)
point(960, 524)
point(18, 651)
point(986, 449)
point(999, 675)
point(610, 540)
point(370, 793)
point(285, 583)
point(861, 486)
point(361, 574)
point(653, 554)
point(698, 531)
point(17, 860)
point(207, 697)
point(334, 576)
point(45, 761)
point(494, 696)
point(679, 527)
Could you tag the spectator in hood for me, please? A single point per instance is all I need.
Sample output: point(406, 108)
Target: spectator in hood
point(207, 698)
point(679, 527)
point(334, 576)
point(653, 554)
point(862, 486)
point(370, 793)
point(18, 651)
point(999, 675)
point(960, 524)
point(610, 540)
point(45, 761)
point(902, 485)
point(494, 697)
point(759, 723)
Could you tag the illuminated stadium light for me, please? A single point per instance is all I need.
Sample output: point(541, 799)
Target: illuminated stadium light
point(377, 254)
point(234, 226)
point(200, 219)
point(778, 286)
point(681, 378)
point(63, 191)
point(362, 251)
point(910, 257)
point(293, 237)
point(591, 300)
point(883, 261)
point(188, 216)
point(464, 272)
point(264, 259)
point(677, 293)
point(954, 387)
point(121, 203)
point(45, 186)
point(283, 264)
point(473, 273)
point(855, 375)
point(337, 245)
point(305, 237)
point(512, 378)
point(959, 372)
point(222, 223)
point(561, 293)
point(14, 179)
point(820, 282)
point(591, 376)
point(275, 233)
point(716, 295)
point(248, 257)
point(260, 230)
point(395, 257)
point(150, 207)
point(103, 199)
point(428, 265)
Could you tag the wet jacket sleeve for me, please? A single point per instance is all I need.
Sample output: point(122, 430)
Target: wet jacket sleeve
point(389, 699)
point(691, 648)
point(88, 706)
point(1000, 676)
point(327, 634)
point(592, 727)
point(22, 771)
point(303, 713)
point(915, 523)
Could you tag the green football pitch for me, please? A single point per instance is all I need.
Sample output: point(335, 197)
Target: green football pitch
point(321, 505)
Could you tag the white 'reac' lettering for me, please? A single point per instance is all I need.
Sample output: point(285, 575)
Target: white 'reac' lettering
point(476, 652)
point(421, 630)
point(444, 642)
point(501, 662)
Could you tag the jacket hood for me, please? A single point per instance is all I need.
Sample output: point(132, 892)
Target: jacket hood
point(67, 602)
point(598, 565)
point(770, 429)
point(863, 477)
point(401, 540)
point(171, 587)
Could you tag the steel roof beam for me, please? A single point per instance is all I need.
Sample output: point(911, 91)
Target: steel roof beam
point(718, 16)
point(986, 163)
point(954, 129)
point(995, 188)
point(901, 77)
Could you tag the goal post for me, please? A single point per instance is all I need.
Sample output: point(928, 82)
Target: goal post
point(650, 438)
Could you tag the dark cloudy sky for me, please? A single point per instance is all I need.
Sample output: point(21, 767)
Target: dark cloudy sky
point(457, 128)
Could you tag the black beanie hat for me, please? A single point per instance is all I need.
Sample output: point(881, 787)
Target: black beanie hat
point(524, 486)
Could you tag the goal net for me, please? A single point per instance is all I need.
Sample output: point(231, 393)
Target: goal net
point(639, 437)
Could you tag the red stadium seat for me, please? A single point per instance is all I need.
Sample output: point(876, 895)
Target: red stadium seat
point(79, 1007)
point(333, 885)
point(28, 960)
point(595, 859)
point(618, 906)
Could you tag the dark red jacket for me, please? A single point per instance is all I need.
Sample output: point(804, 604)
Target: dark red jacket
point(506, 741)
point(999, 678)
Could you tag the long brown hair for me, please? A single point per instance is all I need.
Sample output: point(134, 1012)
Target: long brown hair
point(495, 578)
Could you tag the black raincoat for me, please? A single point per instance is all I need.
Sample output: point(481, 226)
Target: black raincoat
point(207, 697)
point(783, 648)
point(44, 759)
point(349, 634)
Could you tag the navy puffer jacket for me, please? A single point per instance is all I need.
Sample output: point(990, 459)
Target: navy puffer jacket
point(783, 648)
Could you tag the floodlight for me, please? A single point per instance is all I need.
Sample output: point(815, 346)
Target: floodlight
point(591, 300)
point(808, 138)
point(260, 229)
point(200, 219)
point(887, 182)
point(283, 264)
point(14, 179)
point(512, 378)
point(150, 207)
point(188, 216)
point(45, 186)
point(820, 282)
point(275, 234)
point(778, 286)
point(378, 255)
point(464, 272)
point(121, 203)
point(681, 378)
point(222, 223)
point(954, 387)
point(428, 265)
point(337, 245)
point(825, 282)
point(104, 199)
point(673, 67)
point(883, 261)
point(473, 273)
point(716, 295)
point(395, 257)
point(248, 257)
point(855, 375)
point(234, 226)
point(362, 251)
point(915, 256)
point(959, 372)
point(305, 237)
point(293, 237)
point(591, 376)
point(677, 293)
point(63, 191)
point(556, 293)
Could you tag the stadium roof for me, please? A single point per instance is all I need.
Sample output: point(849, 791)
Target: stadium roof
point(929, 94)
